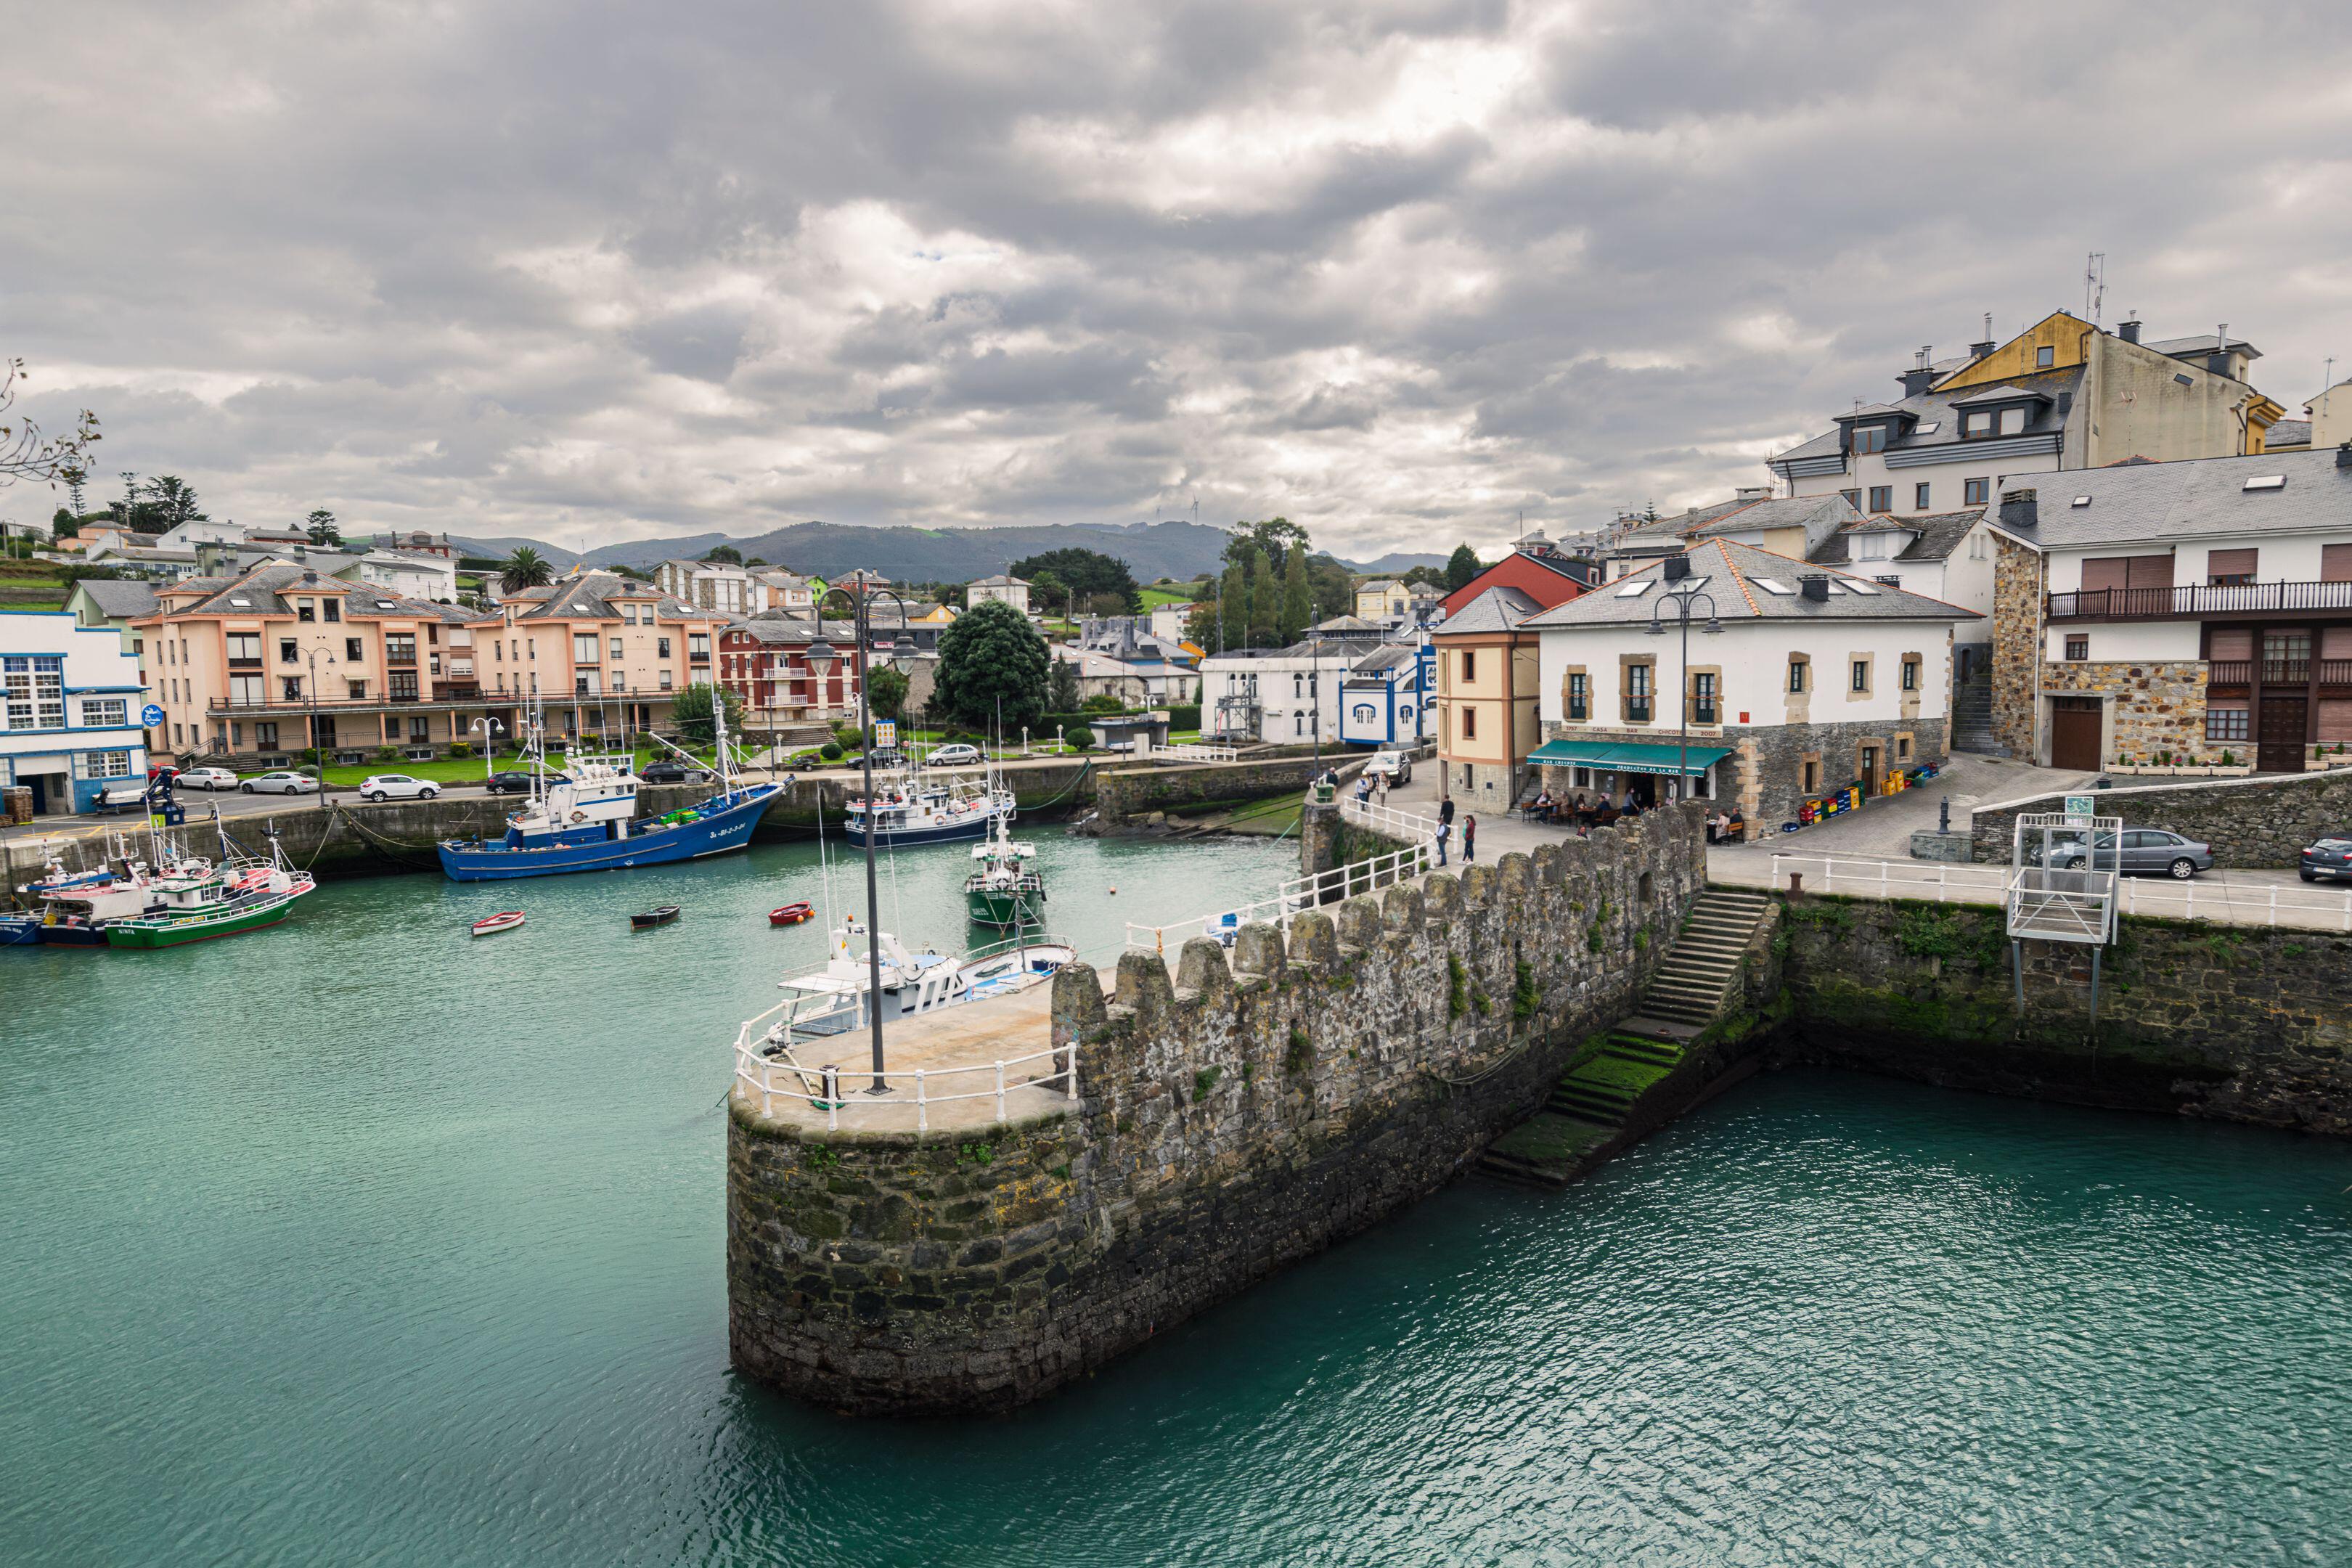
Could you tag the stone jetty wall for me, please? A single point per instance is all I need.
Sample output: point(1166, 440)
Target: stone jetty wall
point(1127, 793)
point(2263, 821)
point(1258, 1107)
point(2231, 1022)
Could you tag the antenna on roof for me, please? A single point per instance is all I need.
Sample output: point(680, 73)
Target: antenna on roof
point(2095, 285)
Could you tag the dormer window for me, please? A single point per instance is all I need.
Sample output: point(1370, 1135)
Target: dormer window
point(1977, 424)
point(1869, 438)
point(2012, 421)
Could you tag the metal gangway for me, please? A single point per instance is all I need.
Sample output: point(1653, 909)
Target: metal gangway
point(2065, 867)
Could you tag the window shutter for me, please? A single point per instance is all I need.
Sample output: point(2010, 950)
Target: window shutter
point(2335, 562)
point(2230, 563)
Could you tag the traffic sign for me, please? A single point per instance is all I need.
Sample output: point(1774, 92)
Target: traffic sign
point(151, 715)
point(885, 732)
point(2080, 805)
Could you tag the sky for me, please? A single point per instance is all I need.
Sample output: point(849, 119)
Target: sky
point(1404, 272)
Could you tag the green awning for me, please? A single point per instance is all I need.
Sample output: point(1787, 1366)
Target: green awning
point(1626, 756)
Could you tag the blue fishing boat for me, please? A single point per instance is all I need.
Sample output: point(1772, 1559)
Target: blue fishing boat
point(585, 819)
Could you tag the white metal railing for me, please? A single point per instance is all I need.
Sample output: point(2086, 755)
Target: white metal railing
point(2223, 903)
point(2062, 905)
point(1295, 896)
point(767, 1080)
point(1193, 751)
point(1410, 826)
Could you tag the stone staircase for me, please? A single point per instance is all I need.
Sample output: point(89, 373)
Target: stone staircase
point(1587, 1108)
point(1691, 982)
point(1972, 719)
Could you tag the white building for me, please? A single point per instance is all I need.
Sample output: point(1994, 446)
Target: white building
point(411, 573)
point(1013, 591)
point(776, 590)
point(1280, 696)
point(1168, 621)
point(720, 587)
point(1816, 679)
point(69, 704)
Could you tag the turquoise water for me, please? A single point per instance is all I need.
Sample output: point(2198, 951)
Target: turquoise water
point(359, 1242)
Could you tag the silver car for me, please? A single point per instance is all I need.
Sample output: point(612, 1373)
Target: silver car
point(2145, 851)
point(279, 782)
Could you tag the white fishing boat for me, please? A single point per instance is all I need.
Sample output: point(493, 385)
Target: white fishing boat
point(834, 999)
point(919, 807)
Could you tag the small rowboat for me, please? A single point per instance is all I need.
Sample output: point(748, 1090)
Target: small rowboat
point(651, 918)
point(790, 914)
point(505, 919)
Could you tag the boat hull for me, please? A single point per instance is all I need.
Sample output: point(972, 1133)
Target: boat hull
point(155, 934)
point(716, 834)
point(20, 931)
point(975, 826)
point(1004, 909)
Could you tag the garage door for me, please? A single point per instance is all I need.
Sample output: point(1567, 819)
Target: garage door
point(2074, 732)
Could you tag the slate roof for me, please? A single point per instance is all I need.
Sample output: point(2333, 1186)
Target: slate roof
point(1937, 408)
point(774, 626)
point(2288, 433)
point(1939, 533)
point(1787, 511)
point(1731, 571)
point(263, 592)
point(1499, 609)
point(2198, 498)
point(2202, 344)
point(587, 597)
point(120, 601)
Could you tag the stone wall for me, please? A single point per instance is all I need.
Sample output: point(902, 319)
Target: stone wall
point(1246, 1115)
point(2016, 644)
point(2259, 822)
point(2241, 1024)
point(2152, 706)
point(1129, 793)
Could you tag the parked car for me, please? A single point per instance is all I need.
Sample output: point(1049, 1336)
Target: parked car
point(205, 778)
point(397, 786)
point(1395, 765)
point(510, 781)
point(672, 772)
point(2145, 850)
point(959, 755)
point(888, 757)
point(2330, 855)
point(281, 782)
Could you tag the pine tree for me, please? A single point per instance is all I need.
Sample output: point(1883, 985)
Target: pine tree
point(1297, 608)
point(1266, 600)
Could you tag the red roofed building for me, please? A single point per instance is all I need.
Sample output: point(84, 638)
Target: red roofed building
point(1535, 567)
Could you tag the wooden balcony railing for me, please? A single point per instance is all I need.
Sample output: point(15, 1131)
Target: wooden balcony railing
point(2210, 599)
point(2278, 671)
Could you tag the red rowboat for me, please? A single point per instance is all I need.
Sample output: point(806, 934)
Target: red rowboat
point(505, 919)
point(790, 914)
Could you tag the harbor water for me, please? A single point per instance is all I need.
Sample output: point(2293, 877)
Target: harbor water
point(360, 1242)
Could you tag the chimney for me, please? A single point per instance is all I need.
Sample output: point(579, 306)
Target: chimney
point(1977, 351)
point(2130, 330)
point(2343, 456)
point(1754, 493)
point(1916, 382)
point(2018, 510)
point(1816, 586)
point(1676, 569)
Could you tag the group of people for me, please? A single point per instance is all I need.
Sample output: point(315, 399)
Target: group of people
point(1446, 832)
point(1599, 811)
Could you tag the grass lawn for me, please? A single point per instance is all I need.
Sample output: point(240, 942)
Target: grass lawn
point(448, 770)
point(1155, 597)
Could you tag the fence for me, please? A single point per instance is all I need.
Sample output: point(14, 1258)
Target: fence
point(1295, 896)
point(2222, 902)
point(1409, 827)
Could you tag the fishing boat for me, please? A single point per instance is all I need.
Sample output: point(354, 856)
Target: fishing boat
point(916, 808)
point(833, 999)
point(74, 908)
point(585, 819)
point(241, 894)
point(655, 917)
point(505, 919)
point(790, 914)
point(1005, 889)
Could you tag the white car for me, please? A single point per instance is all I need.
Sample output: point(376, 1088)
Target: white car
point(279, 782)
point(206, 778)
point(397, 786)
point(956, 757)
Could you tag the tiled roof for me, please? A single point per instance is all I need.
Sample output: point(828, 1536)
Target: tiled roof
point(1732, 576)
point(2206, 496)
point(588, 597)
point(1499, 609)
point(1939, 533)
point(118, 599)
point(2288, 433)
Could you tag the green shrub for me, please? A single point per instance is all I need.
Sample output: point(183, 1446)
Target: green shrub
point(1103, 704)
point(1203, 1082)
point(1525, 997)
point(1079, 736)
point(387, 753)
point(1457, 990)
point(830, 750)
point(1300, 1056)
point(461, 748)
point(1183, 715)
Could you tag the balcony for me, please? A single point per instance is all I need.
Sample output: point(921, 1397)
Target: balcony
point(446, 697)
point(2213, 599)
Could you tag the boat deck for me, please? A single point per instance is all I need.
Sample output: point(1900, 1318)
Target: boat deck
point(976, 1035)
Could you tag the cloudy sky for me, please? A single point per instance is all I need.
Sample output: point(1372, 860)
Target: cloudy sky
point(1399, 269)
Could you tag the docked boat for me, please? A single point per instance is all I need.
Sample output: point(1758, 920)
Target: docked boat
point(1005, 888)
point(791, 914)
point(505, 919)
point(655, 917)
point(916, 808)
point(241, 894)
point(585, 819)
point(833, 999)
point(74, 908)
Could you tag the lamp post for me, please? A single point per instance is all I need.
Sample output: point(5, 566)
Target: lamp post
point(490, 729)
point(821, 659)
point(1682, 676)
point(311, 663)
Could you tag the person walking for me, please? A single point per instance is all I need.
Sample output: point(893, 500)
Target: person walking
point(1443, 829)
point(1445, 810)
point(1469, 839)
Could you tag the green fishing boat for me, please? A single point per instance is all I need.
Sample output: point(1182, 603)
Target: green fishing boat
point(1005, 889)
point(240, 895)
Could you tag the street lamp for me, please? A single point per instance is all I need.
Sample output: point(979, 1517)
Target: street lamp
point(312, 664)
point(1682, 676)
point(821, 659)
point(490, 729)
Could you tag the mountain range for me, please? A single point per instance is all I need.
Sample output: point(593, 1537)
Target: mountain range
point(1182, 551)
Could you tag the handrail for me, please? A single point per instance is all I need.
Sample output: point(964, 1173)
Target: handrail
point(757, 1073)
point(2224, 905)
point(1294, 896)
point(2198, 599)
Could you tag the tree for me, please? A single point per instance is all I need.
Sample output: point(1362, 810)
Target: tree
point(321, 526)
point(726, 553)
point(1329, 585)
point(1298, 609)
point(26, 454)
point(1108, 605)
point(1265, 600)
point(1063, 694)
point(1461, 567)
point(1049, 595)
point(992, 655)
point(757, 561)
point(1277, 536)
point(170, 503)
point(526, 568)
point(1086, 573)
point(953, 595)
point(63, 523)
point(690, 711)
point(886, 691)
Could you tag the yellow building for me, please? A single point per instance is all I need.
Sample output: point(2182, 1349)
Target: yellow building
point(1488, 684)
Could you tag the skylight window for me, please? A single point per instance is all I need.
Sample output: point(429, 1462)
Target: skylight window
point(1636, 588)
point(1929, 428)
point(242, 603)
point(1690, 585)
point(1834, 586)
point(1771, 586)
point(2267, 482)
point(2082, 501)
point(1853, 586)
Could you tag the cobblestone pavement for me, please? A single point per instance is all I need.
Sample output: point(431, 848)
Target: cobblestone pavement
point(1883, 827)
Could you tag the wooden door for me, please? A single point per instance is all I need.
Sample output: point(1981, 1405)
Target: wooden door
point(2281, 738)
point(2074, 732)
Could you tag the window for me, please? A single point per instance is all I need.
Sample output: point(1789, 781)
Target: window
point(400, 648)
point(1469, 666)
point(352, 650)
point(662, 647)
point(1853, 499)
point(583, 648)
point(98, 712)
point(2012, 421)
point(1797, 674)
point(418, 728)
point(1919, 496)
point(1870, 547)
point(2184, 381)
point(246, 692)
point(1976, 425)
point(392, 726)
point(2044, 357)
point(244, 648)
point(1976, 492)
point(290, 687)
point(1861, 675)
point(1882, 497)
point(266, 735)
point(1910, 674)
point(1869, 438)
point(1902, 748)
point(617, 652)
point(1580, 696)
point(2225, 568)
point(664, 681)
point(1637, 694)
point(2228, 723)
point(1469, 723)
point(303, 611)
point(356, 690)
point(176, 734)
point(332, 609)
point(1702, 698)
point(288, 653)
point(1809, 775)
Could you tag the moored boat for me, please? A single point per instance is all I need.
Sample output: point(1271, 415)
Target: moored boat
point(655, 917)
point(505, 919)
point(833, 998)
point(240, 895)
point(790, 914)
point(918, 809)
point(1005, 889)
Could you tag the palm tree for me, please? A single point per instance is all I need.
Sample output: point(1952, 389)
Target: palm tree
point(526, 568)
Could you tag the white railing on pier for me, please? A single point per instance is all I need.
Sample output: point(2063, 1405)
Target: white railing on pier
point(1293, 898)
point(1411, 828)
point(765, 1080)
point(2223, 903)
point(1189, 752)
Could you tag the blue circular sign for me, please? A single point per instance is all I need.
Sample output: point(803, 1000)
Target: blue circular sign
point(151, 715)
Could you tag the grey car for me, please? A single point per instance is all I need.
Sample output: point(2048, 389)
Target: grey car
point(2146, 851)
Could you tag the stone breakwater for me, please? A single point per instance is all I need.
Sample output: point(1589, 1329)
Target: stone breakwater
point(1245, 1114)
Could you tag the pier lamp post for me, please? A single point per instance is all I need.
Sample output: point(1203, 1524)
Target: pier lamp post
point(1682, 676)
point(311, 684)
point(821, 659)
point(491, 729)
